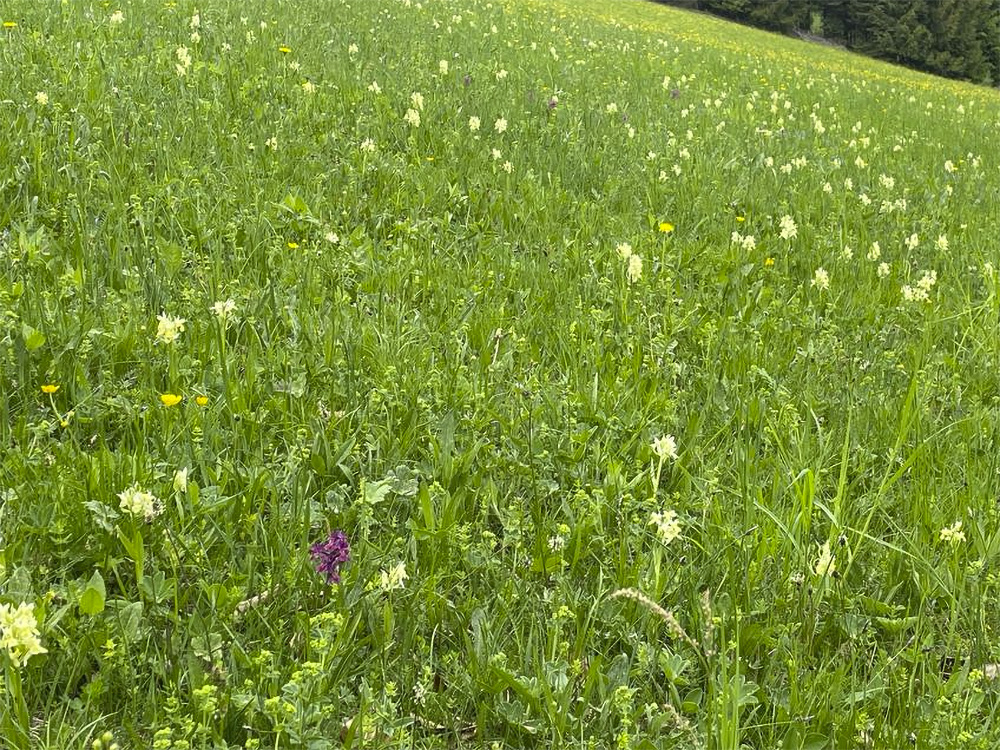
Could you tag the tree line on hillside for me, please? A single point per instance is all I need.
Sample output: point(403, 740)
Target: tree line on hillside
point(954, 38)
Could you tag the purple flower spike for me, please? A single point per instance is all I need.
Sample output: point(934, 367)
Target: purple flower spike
point(331, 554)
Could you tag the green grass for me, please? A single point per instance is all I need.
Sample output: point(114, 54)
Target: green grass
point(437, 347)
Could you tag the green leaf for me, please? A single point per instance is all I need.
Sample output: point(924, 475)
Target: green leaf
point(896, 625)
point(128, 616)
point(295, 204)
point(33, 338)
point(402, 482)
point(172, 256)
point(93, 597)
point(427, 508)
point(207, 647)
point(135, 549)
point(19, 584)
point(673, 665)
point(317, 463)
point(103, 514)
point(376, 492)
point(547, 563)
point(814, 742)
point(156, 587)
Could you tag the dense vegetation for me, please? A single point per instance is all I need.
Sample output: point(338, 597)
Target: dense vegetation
point(956, 38)
point(522, 374)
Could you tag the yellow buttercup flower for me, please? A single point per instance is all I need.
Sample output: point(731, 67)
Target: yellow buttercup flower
point(293, 245)
point(170, 399)
point(201, 400)
point(284, 50)
point(50, 388)
point(10, 24)
point(769, 262)
point(666, 227)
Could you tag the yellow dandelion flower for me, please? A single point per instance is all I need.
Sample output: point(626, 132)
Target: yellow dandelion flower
point(293, 245)
point(50, 388)
point(284, 50)
point(170, 399)
point(201, 400)
point(769, 262)
point(10, 24)
point(666, 227)
point(741, 218)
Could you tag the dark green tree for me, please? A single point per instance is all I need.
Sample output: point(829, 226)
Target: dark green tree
point(958, 38)
point(911, 37)
point(738, 10)
point(957, 48)
point(780, 15)
point(991, 40)
point(836, 19)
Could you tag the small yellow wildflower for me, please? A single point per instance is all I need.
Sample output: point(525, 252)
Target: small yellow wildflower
point(139, 502)
point(769, 262)
point(293, 245)
point(284, 50)
point(50, 388)
point(789, 230)
point(666, 227)
point(168, 329)
point(953, 534)
point(395, 578)
point(19, 633)
point(826, 563)
point(10, 24)
point(665, 447)
point(170, 399)
point(201, 400)
point(668, 526)
point(634, 268)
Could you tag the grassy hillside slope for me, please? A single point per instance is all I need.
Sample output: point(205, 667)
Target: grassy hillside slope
point(536, 302)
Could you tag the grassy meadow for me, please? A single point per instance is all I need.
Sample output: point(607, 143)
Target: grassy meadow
point(491, 374)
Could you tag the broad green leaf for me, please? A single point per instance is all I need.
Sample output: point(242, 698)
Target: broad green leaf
point(33, 338)
point(93, 597)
